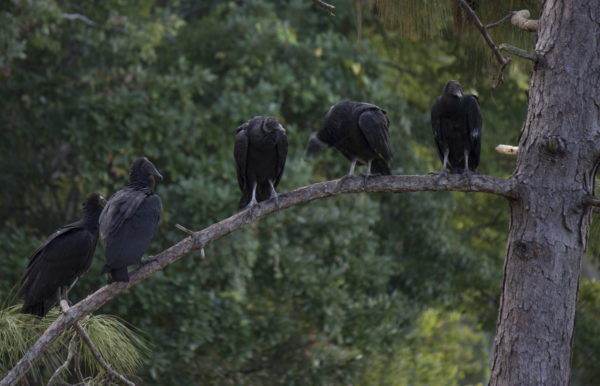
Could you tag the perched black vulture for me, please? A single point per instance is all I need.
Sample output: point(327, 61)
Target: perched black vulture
point(456, 122)
point(260, 150)
point(360, 131)
point(129, 220)
point(57, 264)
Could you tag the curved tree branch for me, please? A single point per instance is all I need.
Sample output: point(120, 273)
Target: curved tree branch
point(197, 240)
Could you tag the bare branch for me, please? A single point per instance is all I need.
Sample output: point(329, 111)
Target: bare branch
point(191, 233)
point(393, 184)
point(517, 51)
point(328, 7)
point(77, 16)
point(95, 352)
point(507, 149)
point(61, 368)
point(499, 22)
point(521, 20)
point(501, 59)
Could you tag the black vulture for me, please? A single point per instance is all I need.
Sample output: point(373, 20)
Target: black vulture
point(129, 220)
point(260, 150)
point(456, 121)
point(360, 131)
point(57, 264)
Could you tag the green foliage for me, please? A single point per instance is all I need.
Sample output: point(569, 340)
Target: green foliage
point(586, 343)
point(119, 345)
point(431, 353)
point(16, 335)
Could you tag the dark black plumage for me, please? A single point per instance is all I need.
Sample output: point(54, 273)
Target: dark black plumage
point(360, 131)
point(129, 220)
point(456, 121)
point(260, 150)
point(57, 264)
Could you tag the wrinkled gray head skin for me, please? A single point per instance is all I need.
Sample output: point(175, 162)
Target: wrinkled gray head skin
point(143, 172)
point(266, 124)
point(271, 124)
point(452, 88)
point(315, 145)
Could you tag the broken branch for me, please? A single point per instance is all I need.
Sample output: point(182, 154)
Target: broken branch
point(521, 20)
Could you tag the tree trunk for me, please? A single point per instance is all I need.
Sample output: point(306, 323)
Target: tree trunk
point(557, 160)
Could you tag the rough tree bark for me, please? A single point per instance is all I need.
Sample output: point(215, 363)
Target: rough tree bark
point(558, 156)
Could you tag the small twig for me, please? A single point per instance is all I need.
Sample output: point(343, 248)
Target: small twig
point(191, 234)
point(521, 20)
point(62, 367)
point(328, 7)
point(184, 229)
point(95, 352)
point(77, 16)
point(503, 60)
point(496, 24)
point(517, 51)
point(507, 149)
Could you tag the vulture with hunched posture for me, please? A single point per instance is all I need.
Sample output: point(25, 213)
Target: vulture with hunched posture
point(360, 131)
point(456, 121)
point(57, 264)
point(260, 150)
point(129, 220)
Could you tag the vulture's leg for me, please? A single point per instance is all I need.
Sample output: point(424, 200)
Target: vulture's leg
point(351, 171)
point(467, 172)
point(444, 166)
point(367, 174)
point(63, 292)
point(253, 200)
point(274, 195)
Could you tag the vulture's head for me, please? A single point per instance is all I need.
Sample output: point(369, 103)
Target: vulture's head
point(143, 172)
point(315, 145)
point(453, 89)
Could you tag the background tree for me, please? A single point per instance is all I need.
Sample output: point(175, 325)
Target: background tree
point(337, 291)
